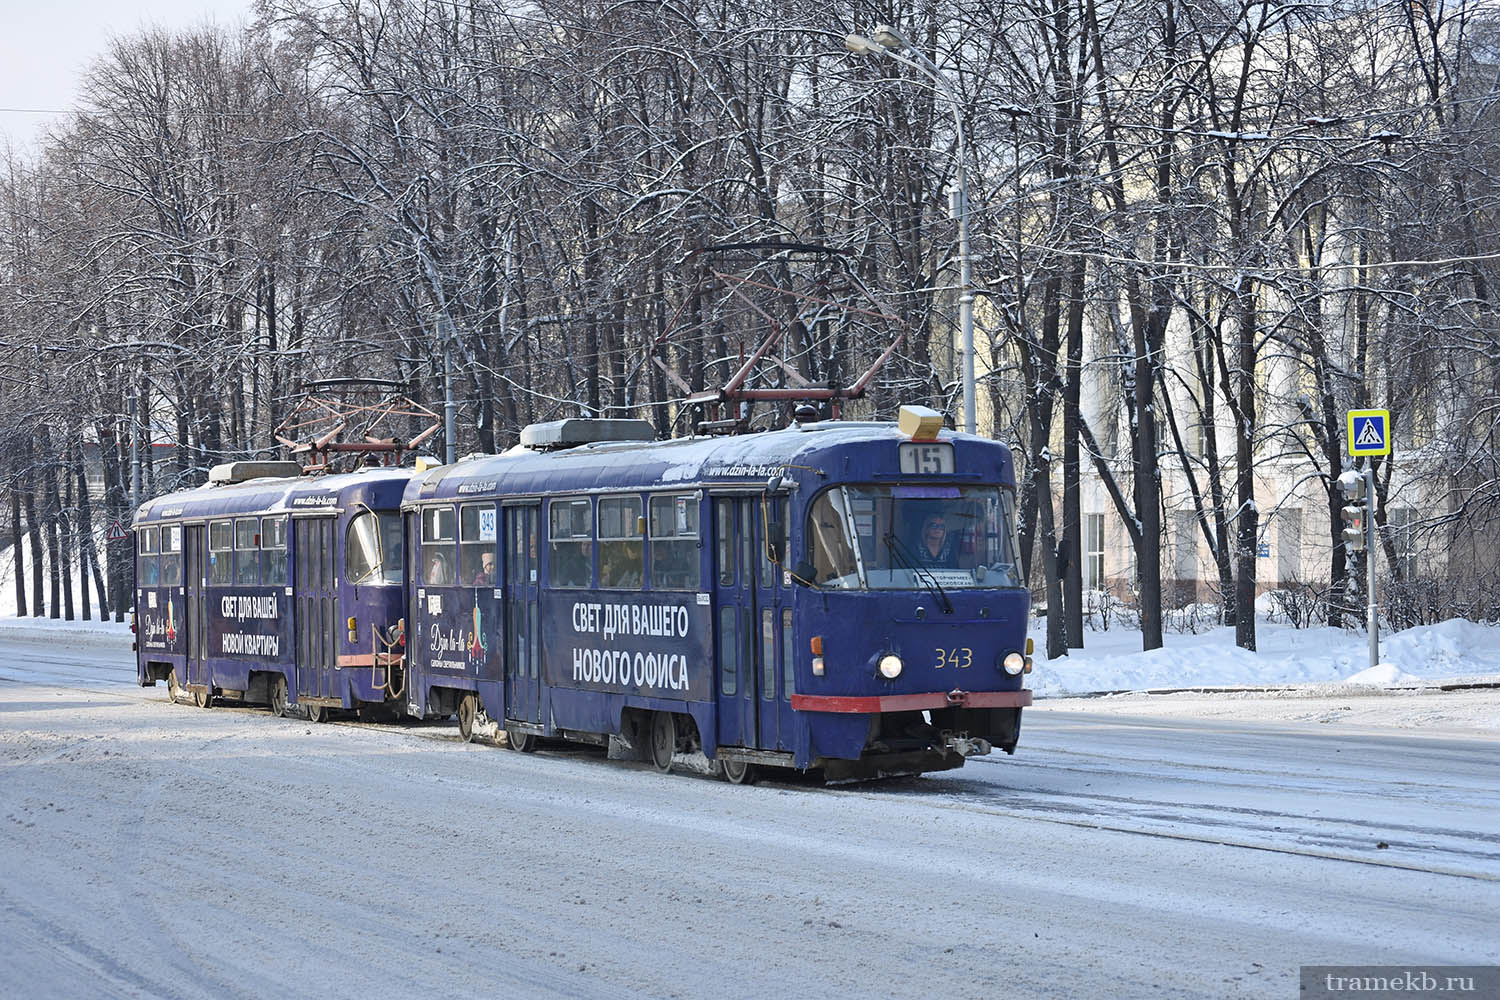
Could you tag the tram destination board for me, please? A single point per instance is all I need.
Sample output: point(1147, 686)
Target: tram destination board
point(926, 458)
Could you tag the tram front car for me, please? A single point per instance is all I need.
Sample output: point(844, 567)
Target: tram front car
point(910, 601)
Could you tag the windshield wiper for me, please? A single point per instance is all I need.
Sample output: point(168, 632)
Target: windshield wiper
point(922, 573)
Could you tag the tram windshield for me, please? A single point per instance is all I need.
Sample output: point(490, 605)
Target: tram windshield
point(913, 537)
point(373, 553)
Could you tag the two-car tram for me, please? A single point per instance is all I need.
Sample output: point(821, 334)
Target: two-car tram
point(271, 587)
point(835, 596)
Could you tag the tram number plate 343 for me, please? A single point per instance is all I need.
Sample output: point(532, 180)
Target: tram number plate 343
point(959, 658)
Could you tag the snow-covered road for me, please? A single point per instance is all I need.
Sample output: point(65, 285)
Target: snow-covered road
point(157, 850)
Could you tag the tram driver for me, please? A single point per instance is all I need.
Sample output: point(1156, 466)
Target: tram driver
point(935, 547)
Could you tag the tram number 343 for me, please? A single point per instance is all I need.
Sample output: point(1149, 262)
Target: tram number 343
point(960, 658)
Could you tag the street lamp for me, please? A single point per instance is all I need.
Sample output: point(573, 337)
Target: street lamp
point(887, 41)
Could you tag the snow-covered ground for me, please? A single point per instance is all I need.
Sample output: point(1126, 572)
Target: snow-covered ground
point(159, 850)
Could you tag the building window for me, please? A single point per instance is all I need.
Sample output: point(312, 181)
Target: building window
point(1401, 522)
point(1093, 544)
point(1289, 545)
point(1185, 546)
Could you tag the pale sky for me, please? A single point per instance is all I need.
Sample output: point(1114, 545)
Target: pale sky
point(44, 48)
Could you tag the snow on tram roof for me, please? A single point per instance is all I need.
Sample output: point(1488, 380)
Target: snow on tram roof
point(646, 464)
point(278, 495)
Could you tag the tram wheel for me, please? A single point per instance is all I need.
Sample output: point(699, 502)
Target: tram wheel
point(278, 696)
point(174, 686)
point(317, 713)
point(205, 697)
point(520, 742)
point(468, 709)
point(663, 740)
point(738, 772)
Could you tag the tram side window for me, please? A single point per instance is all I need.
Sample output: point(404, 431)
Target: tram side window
point(724, 510)
point(728, 649)
point(523, 547)
point(476, 545)
point(372, 549)
point(220, 553)
point(247, 551)
point(832, 555)
point(674, 542)
point(437, 547)
point(570, 539)
point(273, 551)
point(148, 566)
point(171, 555)
point(622, 550)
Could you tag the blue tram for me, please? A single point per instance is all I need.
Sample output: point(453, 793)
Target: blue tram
point(837, 596)
point(268, 586)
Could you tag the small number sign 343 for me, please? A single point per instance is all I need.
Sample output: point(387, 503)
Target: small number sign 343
point(960, 658)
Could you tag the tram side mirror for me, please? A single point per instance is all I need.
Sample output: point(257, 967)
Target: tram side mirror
point(804, 573)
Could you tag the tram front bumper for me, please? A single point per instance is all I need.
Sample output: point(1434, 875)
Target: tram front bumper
point(871, 704)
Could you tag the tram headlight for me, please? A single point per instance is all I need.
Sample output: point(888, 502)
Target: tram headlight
point(890, 666)
point(1013, 663)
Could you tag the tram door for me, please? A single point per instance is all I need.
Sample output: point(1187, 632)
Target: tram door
point(315, 554)
point(523, 694)
point(773, 634)
point(196, 640)
point(738, 673)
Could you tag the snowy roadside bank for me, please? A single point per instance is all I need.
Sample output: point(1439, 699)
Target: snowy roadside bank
point(1455, 651)
point(115, 635)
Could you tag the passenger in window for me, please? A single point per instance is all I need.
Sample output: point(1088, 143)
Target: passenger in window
point(935, 547)
point(572, 564)
point(439, 572)
point(486, 575)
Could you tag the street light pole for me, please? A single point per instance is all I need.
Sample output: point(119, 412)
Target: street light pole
point(887, 41)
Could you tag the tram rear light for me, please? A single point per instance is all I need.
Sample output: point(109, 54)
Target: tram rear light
point(817, 666)
point(1027, 669)
point(817, 645)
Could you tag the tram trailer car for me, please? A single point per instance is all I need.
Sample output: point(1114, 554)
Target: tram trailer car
point(269, 586)
point(836, 596)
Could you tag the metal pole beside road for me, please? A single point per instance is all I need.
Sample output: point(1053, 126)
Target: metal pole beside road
point(1367, 435)
point(1372, 618)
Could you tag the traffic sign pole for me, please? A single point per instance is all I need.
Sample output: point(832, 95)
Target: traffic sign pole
point(1372, 620)
point(1368, 434)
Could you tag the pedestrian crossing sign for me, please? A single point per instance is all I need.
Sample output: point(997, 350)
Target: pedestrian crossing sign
point(1369, 432)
